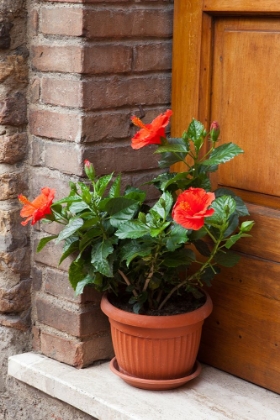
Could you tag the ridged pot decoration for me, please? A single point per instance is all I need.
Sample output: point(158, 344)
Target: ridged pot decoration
point(156, 352)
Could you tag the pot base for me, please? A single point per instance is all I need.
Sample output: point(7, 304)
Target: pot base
point(154, 384)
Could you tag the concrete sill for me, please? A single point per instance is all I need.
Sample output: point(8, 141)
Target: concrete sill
point(214, 395)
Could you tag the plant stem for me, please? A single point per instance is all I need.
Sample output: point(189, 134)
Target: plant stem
point(197, 274)
point(127, 282)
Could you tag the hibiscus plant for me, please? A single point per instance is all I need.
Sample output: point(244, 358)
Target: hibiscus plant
point(149, 253)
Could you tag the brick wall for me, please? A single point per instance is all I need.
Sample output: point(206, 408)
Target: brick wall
point(14, 248)
point(93, 64)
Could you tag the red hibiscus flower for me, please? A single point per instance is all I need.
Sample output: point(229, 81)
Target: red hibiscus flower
point(191, 207)
point(38, 208)
point(150, 133)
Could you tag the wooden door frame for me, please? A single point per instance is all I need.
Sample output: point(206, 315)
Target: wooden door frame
point(192, 53)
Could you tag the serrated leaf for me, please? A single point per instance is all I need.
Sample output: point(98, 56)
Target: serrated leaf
point(43, 242)
point(208, 275)
point(224, 206)
point(202, 248)
point(223, 154)
point(78, 206)
point(69, 247)
point(227, 259)
point(102, 184)
point(132, 230)
point(241, 207)
point(177, 237)
point(115, 189)
point(76, 273)
point(133, 250)
point(195, 130)
point(72, 227)
point(82, 284)
point(99, 257)
point(176, 259)
point(234, 238)
point(173, 148)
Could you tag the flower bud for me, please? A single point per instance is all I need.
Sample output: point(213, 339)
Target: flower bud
point(89, 170)
point(214, 131)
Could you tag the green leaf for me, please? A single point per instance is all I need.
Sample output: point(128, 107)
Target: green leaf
point(76, 272)
point(43, 242)
point(174, 148)
point(78, 206)
point(99, 253)
point(70, 246)
point(115, 189)
point(208, 274)
point(88, 237)
point(195, 130)
point(234, 238)
point(81, 284)
point(224, 206)
point(69, 199)
point(241, 208)
point(177, 236)
point(163, 206)
point(102, 184)
point(72, 227)
point(181, 257)
point(134, 250)
point(154, 232)
point(227, 259)
point(132, 229)
point(223, 154)
point(233, 223)
point(202, 248)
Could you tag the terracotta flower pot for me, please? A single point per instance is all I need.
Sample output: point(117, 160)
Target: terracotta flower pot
point(156, 352)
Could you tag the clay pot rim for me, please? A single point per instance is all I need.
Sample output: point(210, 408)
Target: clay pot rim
point(159, 322)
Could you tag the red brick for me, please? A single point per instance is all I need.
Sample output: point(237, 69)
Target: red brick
point(72, 321)
point(119, 91)
point(40, 177)
point(78, 59)
point(129, 22)
point(64, 157)
point(75, 353)
point(34, 90)
point(120, 158)
point(33, 22)
point(153, 56)
point(60, 58)
point(109, 58)
point(58, 285)
point(62, 92)
point(62, 21)
point(105, 126)
point(55, 125)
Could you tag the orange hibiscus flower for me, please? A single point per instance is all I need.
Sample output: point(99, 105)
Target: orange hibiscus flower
point(191, 208)
point(150, 133)
point(38, 208)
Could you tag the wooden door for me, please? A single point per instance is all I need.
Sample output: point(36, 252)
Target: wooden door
point(226, 67)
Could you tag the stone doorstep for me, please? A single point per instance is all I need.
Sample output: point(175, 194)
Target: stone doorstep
point(214, 395)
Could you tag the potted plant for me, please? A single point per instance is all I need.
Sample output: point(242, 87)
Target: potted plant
point(151, 260)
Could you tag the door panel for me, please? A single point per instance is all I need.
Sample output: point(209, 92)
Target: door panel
point(246, 78)
point(226, 67)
